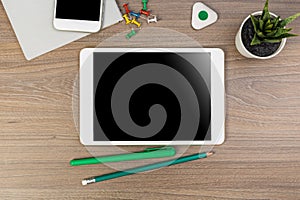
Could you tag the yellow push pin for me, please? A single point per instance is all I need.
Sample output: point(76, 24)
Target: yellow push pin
point(133, 21)
point(126, 19)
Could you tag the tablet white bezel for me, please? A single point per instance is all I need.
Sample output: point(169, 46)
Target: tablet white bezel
point(78, 25)
point(217, 96)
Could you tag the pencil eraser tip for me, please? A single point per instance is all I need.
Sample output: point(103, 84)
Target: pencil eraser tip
point(84, 182)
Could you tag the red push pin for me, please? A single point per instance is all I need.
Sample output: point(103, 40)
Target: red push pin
point(144, 12)
point(125, 5)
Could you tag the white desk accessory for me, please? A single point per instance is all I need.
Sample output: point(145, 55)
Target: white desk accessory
point(202, 16)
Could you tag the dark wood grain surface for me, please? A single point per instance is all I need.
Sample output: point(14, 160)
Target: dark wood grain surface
point(260, 158)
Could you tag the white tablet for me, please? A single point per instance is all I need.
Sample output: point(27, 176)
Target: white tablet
point(151, 96)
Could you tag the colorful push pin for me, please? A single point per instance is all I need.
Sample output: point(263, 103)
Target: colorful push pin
point(136, 15)
point(131, 34)
point(152, 19)
point(126, 19)
point(145, 4)
point(144, 12)
point(133, 21)
point(125, 5)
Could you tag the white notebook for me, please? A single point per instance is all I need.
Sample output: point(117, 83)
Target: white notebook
point(32, 21)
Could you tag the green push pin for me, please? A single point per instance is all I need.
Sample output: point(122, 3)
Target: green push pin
point(131, 34)
point(145, 4)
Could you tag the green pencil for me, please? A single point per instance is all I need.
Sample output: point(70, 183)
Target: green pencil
point(146, 168)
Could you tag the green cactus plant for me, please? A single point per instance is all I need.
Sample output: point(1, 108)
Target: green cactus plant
point(270, 29)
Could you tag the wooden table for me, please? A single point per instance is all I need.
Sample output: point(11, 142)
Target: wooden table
point(260, 158)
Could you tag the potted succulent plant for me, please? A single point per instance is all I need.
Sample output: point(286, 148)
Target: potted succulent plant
point(263, 34)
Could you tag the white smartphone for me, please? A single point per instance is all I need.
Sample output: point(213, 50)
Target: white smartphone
point(78, 15)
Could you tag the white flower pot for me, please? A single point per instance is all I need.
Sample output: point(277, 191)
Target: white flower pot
point(242, 49)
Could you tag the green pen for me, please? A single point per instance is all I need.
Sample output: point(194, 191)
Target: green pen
point(158, 152)
point(146, 168)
